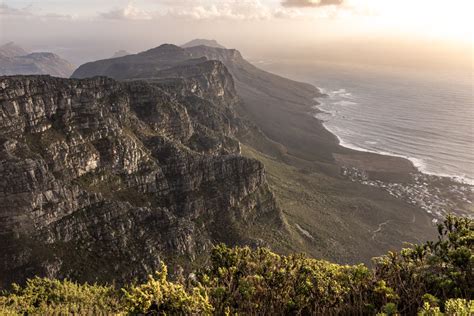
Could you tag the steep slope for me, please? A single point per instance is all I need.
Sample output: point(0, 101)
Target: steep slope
point(329, 215)
point(14, 60)
point(101, 180)
point(247, 74)
point(148, 63)
point(142, 65)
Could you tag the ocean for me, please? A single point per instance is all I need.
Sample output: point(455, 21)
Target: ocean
point(424, 116)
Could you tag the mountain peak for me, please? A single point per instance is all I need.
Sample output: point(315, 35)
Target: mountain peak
point(202, 42)
point(163, 49)
point(11, 49)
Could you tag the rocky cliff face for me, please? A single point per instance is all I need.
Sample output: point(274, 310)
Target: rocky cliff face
point(100, 180)
point(251, 82)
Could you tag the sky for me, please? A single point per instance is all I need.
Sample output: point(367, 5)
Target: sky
point(364, 30)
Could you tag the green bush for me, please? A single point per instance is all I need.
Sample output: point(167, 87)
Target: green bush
point(428, 280)
point(452, 307)
point(442, 269)
point(41, 296)
point(160, 296)
point(250, 282)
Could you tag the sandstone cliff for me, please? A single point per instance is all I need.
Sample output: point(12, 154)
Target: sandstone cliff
point(100, 180)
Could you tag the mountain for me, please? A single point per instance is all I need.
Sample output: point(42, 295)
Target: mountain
point(148, 64)
point(12, 50)
point(142, 65)
point(202, 42)
point(120, 53)
point(14, 60)
point(328, 214)
point(180, 149)
point(125, 174)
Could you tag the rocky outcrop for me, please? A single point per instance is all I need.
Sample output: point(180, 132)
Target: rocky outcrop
point(100, 180)
point(250, 78)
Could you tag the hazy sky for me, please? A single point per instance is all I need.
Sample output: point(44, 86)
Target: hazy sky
point(89, 29)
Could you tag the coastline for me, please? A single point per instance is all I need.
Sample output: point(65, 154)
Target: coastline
point(435, 194)
point(416, 162)
point(316, 180)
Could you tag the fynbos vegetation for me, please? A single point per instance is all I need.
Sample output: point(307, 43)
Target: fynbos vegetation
point(435, 278)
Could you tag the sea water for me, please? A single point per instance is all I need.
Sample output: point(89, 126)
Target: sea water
point(426, 116)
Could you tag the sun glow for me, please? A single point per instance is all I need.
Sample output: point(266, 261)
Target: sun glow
point(436, 18)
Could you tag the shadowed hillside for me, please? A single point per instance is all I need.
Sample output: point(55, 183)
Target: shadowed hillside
point(328, 215)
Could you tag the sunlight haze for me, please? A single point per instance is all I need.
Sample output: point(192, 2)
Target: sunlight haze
point(347, 30)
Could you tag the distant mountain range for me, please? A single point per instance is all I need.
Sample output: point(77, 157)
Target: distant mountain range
point(12, 50)
point(14, 60)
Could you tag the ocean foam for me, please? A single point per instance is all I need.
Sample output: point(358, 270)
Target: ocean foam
point(418, 163)
point(345, 103)
point(342, 93)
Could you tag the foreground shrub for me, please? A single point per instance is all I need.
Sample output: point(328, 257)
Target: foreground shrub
point(442, 269)
point(160, 296)
point(453, 307)
point(261, 282)
point(431, 279)
point(41, 296)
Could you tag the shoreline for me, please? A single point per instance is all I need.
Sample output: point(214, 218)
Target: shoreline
point(304, 163)
point(402, 177)
point(417, 163)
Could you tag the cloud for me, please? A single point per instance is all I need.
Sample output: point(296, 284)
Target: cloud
point(216, 10)
point(29, 11)
point(130, 12)
point(8, 10)
point(310, 3)
point(224, 9)
point(250, 9)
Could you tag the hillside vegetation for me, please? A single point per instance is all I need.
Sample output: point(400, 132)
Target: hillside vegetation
point(434, 278)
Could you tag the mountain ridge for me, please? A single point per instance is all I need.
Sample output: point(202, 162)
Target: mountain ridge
point(296, 148)
point(11, 49)
point(14, 60)
point(179, 149)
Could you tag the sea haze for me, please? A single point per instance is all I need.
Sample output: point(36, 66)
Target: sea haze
point(427, 117)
